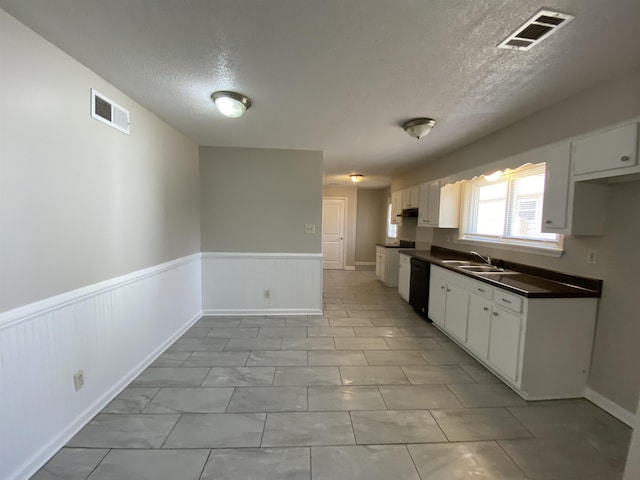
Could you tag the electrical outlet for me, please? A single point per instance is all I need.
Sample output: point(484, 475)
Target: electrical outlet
point(267, 293)
point(310, 228)
point(78, 379)
point(592, 256)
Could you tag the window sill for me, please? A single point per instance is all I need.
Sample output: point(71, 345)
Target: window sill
point(513, 247)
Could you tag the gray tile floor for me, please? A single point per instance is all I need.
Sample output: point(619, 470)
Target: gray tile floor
point(369, 391)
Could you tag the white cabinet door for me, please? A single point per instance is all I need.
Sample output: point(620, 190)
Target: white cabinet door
point(556, 187)
point(433, 204)
point(609, 150)
point(404, 277)
point(396, 208)
point(439, 206)
point(457, 311)
point(504, 344)
point(423, 205)
point(380, 260)
point(410, 197)
point(449, 206)
point(437, 300)
point(479, 325)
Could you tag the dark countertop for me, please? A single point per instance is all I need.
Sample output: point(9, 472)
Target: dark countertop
point(531, 282)
point(402, 244)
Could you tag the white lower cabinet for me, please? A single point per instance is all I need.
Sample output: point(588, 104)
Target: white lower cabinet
point(504, 342)
point(540, 347)
point(479, 325)
point(457, 312)
point(437, 299)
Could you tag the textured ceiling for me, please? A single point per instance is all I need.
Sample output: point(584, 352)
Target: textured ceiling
point(340, 75)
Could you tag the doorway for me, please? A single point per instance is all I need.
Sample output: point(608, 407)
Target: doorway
point(333, 231)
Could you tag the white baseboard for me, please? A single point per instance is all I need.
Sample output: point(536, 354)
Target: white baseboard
point(611, 407)
point(246, 312)
point(349, 267)
point(358, 264)
point(111, 330)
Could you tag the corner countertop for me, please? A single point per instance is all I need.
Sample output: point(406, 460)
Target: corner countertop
point(402, 244)
point(529, 281)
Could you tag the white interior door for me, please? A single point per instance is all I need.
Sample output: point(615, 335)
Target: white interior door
point(333, 214)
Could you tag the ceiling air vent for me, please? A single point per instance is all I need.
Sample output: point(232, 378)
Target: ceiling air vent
point(106, 111)
point(536, 29)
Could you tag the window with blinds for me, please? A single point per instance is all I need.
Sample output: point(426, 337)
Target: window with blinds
point(507, 208)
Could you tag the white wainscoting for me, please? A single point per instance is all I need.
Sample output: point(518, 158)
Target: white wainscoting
point(111, 330)
point(235, 283)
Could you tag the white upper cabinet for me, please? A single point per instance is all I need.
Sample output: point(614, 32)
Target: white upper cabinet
point(396, 208)
point(611, 152)
point(410, 197)
point(556, 187)
point(439, 205)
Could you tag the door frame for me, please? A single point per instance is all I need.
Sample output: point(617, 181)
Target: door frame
point(345, 202)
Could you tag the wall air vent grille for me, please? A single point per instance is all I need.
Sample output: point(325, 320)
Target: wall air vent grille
point(108, 112)
point(536, 29)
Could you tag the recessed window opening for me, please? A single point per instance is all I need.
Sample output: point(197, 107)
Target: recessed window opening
point(507, 208)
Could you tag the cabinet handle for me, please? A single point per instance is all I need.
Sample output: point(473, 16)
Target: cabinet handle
point(625, 158)
point(442, 288)
point(495, 314)
point(482, 290)
point(448, 289)
point(506, 301)
point(486, 309)
point(548, 222)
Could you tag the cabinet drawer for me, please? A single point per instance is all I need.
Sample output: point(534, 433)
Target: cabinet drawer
point(405, 259)
point(380, 250)
point(507, 300)
point(474, 286)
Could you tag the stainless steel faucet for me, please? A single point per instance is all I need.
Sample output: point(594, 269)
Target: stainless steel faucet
point(486, 259)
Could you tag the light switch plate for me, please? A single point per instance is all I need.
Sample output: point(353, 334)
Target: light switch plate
point(309, 228)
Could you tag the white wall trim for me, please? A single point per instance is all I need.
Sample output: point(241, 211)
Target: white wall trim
point(261, 256)
point(49, 450)
point(261, 312)
point(261, 283)
point(364, 263)
point(113, 330)
point(611, 407)
point(41, 307)
point(350, 267)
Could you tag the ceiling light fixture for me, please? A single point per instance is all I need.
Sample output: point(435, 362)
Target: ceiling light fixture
point(418, 127)
point(231, 104)
point(356, 177)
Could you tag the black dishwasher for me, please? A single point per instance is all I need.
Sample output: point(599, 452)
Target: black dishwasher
point(419, 286)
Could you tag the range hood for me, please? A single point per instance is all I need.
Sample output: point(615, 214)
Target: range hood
point(409, 212)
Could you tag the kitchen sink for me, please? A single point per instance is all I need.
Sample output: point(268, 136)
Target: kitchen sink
point(457, 263)
point(481, 268)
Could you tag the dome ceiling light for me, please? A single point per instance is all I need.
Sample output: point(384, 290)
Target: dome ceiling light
point(418, 127)
point(356, 177)
point(231, 104)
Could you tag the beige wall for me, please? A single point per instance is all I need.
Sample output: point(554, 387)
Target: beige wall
point(351, 194)
point(368, 227)
point(81, 202)
point(616, 354)
point(259, 200)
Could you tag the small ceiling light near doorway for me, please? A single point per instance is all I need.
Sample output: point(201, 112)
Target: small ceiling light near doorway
point(231, 104)
point(356, 177)
point(418, 127)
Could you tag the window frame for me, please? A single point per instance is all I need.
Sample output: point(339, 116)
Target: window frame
point(506, 240)
point(391, 226)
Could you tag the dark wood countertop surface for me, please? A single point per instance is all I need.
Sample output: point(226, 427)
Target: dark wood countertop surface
point(529, 281)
